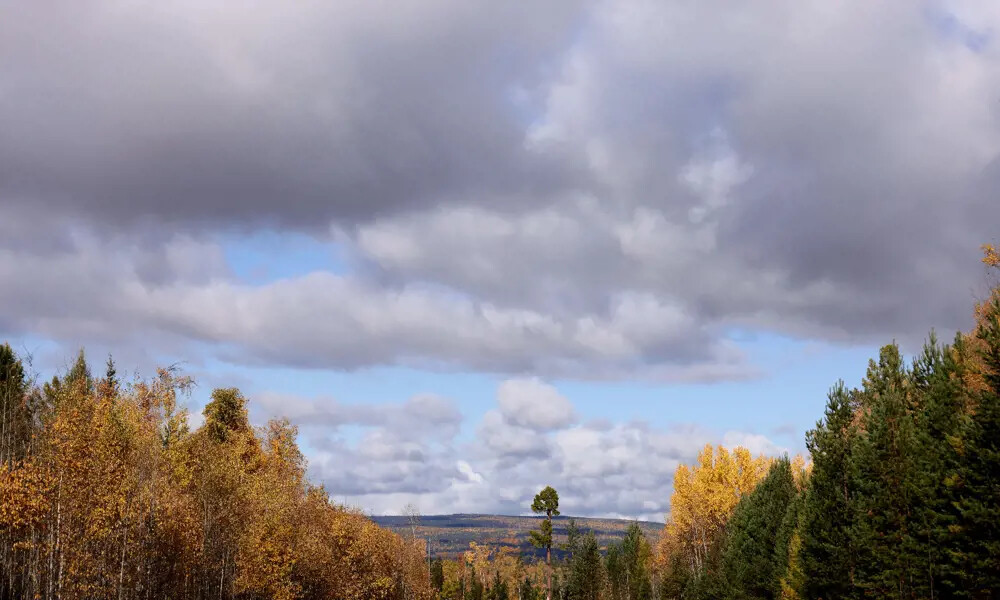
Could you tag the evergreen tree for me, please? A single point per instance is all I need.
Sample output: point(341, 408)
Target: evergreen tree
point(827, 554)
point(750, 558)
point(110, 377)
point(528, 590)
point(979, 506)
point(437, 574)
point(545, 502)
point(474, 591)
point(498, 590)
point(788, 548)
point(16, 410)
point(884, 473)
point(79, 373)
point(586, 576)
point(942, 411)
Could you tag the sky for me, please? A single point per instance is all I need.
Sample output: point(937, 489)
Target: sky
point(472, 249)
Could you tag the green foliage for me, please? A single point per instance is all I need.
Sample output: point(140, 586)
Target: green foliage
point(498, 590)
point(828, 515)
point(884, 475)
point(626, 566)
point(787, 551)
point(17, 411)
point(546, 502)
point(979, 505)
point(586, 573)
point(79, 374)
point(437, 574)
point(529, 591)
point(750, 559)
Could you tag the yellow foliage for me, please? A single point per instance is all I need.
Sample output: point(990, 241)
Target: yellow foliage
point(991, 257)
point(120, 500)
point(704, 497)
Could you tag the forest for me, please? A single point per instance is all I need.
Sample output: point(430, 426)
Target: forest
point(106, 492)
point(899, 498)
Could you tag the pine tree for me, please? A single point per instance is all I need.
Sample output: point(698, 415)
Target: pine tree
point(16, 410)
point(788, 550)
point(827, 554)
point(884, 473)
point(545, 502)
point(437, 574)
point(79, 373)
point(749, 558)
point(942, 411)
point(586, 576)
point(979, 506)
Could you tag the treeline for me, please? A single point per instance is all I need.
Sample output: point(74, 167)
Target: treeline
point(621, 571)
point(901, 500)
point(105, 492)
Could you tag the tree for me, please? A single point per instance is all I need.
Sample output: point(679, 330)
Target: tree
point(16, 411)
point(750, 556)
point(884, 473)
point(437, 574)
point(545, 502)
point(226, 414)
point(979, 473)
point(827, 553)
point(586, 576)
point(626, 565)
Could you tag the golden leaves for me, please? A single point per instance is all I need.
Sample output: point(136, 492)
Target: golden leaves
point(704, 497)
point(991, 257)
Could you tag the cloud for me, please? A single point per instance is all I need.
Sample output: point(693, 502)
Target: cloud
point(535, 405)
point(597, 190)
point(394, 456)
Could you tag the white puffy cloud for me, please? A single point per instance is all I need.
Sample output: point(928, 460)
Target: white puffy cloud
point(533, 404)
point(399, 457)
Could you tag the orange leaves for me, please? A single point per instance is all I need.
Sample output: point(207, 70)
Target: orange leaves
point(24, 496)
point(119, 500)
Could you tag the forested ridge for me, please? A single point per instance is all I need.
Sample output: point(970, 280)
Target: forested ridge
point(105, 492)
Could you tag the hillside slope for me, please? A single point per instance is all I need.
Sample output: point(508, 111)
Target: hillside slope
point(449, 535)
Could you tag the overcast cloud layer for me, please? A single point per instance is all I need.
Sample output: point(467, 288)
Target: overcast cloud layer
point(599, 190)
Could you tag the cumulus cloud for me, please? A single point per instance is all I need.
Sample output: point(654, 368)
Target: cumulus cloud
point(397, 456)
point(533, 404)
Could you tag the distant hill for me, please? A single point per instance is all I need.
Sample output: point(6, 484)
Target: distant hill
point(450, 535)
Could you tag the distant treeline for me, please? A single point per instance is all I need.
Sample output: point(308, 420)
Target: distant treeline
point(106, 493)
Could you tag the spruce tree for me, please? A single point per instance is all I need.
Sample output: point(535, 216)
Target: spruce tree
point(750, 561)
point(827, 554)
